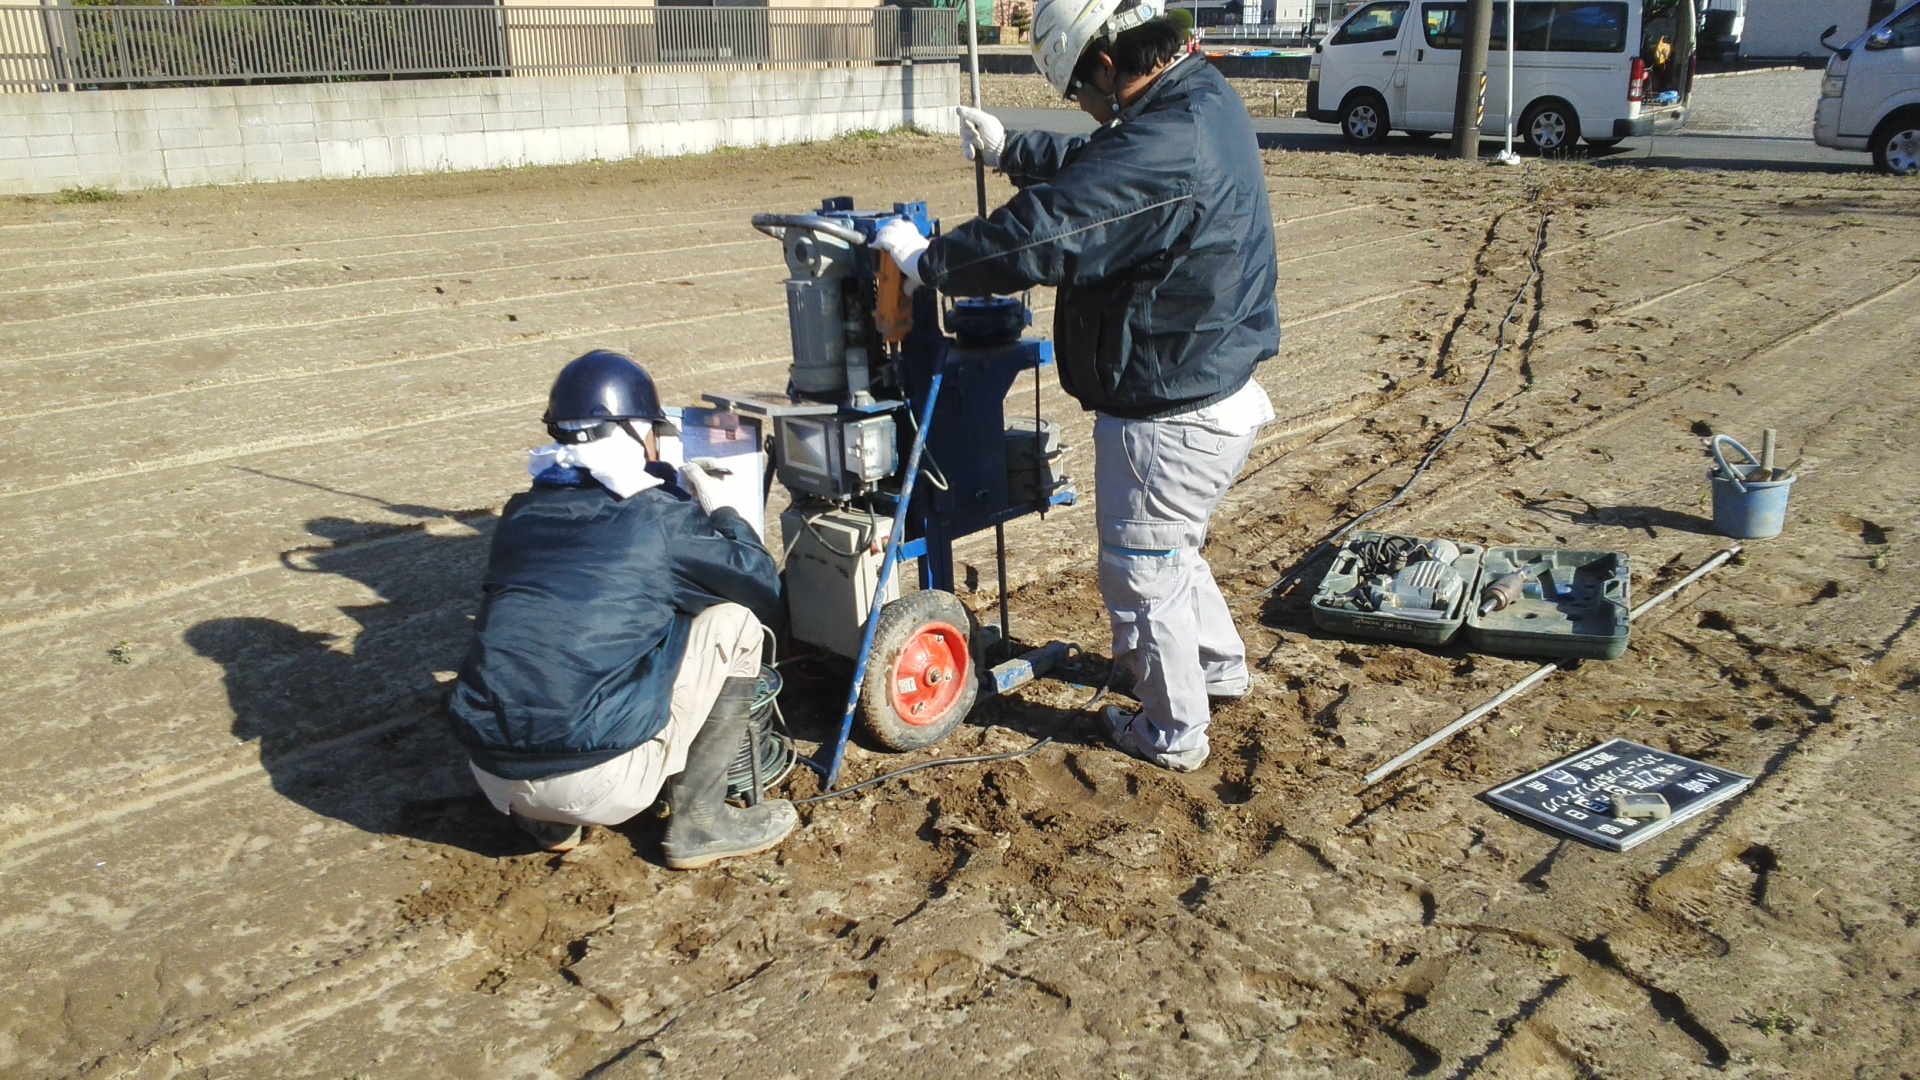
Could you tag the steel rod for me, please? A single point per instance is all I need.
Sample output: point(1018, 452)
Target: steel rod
point(1000, 563)
point(1538, 676)
point(973, 71)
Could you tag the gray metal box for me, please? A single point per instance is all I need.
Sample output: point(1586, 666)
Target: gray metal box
point(831, 571)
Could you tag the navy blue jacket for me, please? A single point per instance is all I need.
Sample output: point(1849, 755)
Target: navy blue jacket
point(1157, 231)
point(584, 620)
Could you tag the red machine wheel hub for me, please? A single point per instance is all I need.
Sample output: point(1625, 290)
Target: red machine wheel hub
point(929, 674)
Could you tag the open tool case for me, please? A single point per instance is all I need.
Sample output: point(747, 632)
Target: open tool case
point(1574, 604)
point(1579, 610)
point(1340, 604)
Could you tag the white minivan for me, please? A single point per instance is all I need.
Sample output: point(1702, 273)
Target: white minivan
point(1601, 70)
point(1870, 99)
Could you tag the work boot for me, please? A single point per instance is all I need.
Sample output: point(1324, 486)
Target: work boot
point(701, 827)
point(1117, 724)
point(552, 836)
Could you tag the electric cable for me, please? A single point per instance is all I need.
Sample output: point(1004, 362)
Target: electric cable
point(1333, 539)
point(975, 759)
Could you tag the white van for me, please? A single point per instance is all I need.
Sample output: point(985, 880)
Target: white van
point(1870, 99)
point(1599, 69)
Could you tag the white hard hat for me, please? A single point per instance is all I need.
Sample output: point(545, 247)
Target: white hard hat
point(1062, 30)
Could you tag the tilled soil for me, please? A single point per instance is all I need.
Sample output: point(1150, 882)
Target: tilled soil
point(257, 439)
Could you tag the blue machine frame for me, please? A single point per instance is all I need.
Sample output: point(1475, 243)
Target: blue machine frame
point(960, 437)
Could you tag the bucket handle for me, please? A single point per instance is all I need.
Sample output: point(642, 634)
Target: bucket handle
point(1720, 460)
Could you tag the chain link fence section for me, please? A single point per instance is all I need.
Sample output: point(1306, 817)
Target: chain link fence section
point(63, 47)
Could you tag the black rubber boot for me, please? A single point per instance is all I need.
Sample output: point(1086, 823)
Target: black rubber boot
point(701, 827)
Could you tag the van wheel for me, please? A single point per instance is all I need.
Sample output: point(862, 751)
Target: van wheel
point(1364, 120)
point(1550, 127)
point(1896, 146)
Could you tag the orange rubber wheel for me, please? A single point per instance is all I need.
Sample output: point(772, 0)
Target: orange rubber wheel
point(921, 680)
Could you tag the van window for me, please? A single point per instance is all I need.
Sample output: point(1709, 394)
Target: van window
point(1905, 30)
point(1591, 26)
point(1375, 22)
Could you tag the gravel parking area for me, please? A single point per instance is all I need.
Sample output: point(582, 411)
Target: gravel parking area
point(1772, 104)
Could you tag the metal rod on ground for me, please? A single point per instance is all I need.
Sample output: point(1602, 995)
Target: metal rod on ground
point(1539, 675)
point(973, 72)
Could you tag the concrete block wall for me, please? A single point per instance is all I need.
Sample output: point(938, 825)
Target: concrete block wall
point(181, 136)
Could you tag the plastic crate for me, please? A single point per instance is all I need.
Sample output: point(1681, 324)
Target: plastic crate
point(1581, 613)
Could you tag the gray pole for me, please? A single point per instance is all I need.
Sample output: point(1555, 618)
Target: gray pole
point(1470, 101)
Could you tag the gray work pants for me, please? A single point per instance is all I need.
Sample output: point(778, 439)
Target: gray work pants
point(1156, 482)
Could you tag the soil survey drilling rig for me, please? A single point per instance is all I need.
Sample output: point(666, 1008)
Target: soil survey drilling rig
point(893, 441)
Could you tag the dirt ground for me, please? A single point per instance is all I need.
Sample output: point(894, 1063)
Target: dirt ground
point(255, 440)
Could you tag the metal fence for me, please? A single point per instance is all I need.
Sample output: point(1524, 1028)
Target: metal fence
point(76, 48)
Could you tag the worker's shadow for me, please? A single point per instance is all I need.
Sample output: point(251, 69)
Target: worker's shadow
point(349, 720)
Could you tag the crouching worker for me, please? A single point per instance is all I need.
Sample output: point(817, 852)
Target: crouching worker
point(619, 639)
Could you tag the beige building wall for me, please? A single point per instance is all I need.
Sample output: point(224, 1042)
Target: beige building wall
point(182, 136)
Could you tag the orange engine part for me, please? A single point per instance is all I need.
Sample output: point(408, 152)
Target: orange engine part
point(893, 307)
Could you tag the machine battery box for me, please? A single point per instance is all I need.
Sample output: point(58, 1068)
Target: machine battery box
point(831, 571)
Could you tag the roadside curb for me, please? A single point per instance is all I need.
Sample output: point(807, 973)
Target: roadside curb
point(1751, 71)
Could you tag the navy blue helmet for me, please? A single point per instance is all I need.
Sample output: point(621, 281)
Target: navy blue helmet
point(599, 393)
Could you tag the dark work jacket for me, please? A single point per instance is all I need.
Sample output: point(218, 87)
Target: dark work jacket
point(584, 620)
point(1156, 229)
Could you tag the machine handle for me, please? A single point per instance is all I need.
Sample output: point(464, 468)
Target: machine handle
point(776, 226)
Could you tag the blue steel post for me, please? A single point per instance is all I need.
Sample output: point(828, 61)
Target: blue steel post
point(886, 572)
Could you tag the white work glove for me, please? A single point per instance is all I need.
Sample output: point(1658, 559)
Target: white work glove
point(981, 136)
point(702, 475)
point(899, 239)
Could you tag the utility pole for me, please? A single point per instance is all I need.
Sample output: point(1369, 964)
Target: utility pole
point(1470, 101)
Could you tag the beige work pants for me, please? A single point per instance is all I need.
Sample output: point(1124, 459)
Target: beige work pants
point(723, 642)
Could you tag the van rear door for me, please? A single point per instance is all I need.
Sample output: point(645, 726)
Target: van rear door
point(1667, 47)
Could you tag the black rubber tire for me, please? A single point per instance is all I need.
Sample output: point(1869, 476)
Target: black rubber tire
point(900, 623)
point(1601, 146)
point(1363, 119)
point(1896, 144)
point(1549, 127)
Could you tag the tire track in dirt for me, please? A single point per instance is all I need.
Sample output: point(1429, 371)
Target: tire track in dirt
point(719, 216)
point(290, 291)
point(476, 271)
point(200, 458)
point(263, 1022)
point(464, 350)
point(390, 313)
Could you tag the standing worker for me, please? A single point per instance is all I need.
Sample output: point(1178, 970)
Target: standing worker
point(618, 642)
point(1156, 231)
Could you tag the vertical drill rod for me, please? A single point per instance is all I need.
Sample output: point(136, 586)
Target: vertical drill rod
point(973, 71)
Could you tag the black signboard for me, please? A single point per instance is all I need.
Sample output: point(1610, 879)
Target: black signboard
point(1576, 794)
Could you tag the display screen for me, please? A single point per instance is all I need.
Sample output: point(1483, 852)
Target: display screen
point(803, 445)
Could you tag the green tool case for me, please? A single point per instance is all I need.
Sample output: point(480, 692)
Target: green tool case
point(1575, 604)
point(1580, 613)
